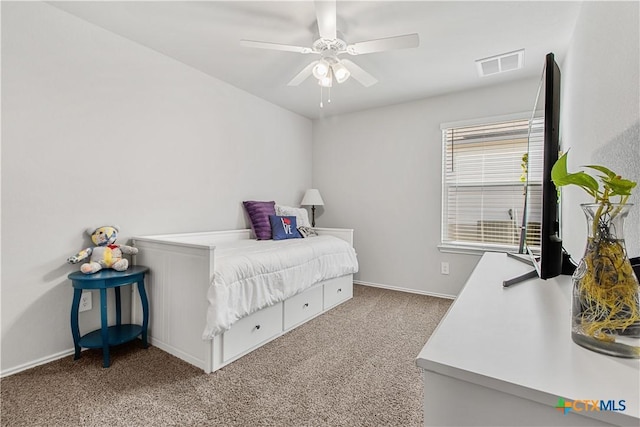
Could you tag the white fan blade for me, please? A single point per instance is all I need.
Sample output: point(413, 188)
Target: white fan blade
point(326, 16)
point(302, 75)
point(379, 45)
point(275, 46)
point(359, 74)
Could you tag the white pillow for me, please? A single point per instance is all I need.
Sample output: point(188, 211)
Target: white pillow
point(301, 214)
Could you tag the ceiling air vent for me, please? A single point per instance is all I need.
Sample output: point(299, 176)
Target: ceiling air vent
point(500, 63)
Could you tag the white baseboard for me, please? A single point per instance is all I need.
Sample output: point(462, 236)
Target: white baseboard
point(37, 362)
point(397, 288)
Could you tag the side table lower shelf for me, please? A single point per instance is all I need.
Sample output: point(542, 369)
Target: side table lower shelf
point(118, 334)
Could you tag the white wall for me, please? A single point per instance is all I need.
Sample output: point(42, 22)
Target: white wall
point(99, 130)
point(379, 172)
point(600, 120)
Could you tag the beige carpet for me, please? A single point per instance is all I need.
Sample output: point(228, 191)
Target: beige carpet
point(353, 366)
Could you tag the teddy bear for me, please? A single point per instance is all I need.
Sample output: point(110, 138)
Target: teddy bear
point(106, 253)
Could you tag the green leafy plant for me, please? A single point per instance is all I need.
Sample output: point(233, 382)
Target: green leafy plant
point(606, 297)
point(612, 183)
point(524, 165)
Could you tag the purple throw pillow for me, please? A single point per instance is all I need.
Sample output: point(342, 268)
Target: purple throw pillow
point(259, 215)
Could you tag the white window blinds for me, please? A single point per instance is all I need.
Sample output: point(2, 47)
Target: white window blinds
point(484, 184)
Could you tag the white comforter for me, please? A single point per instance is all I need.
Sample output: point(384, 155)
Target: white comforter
point(252, 274)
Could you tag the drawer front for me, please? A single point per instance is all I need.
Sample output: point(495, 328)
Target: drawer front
point(252, 330)
point(337, 290)
point(303, 306)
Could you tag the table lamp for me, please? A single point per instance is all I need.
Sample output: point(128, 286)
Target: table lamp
point(312, 198)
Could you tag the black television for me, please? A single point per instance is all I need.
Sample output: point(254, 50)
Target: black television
point(542, 208)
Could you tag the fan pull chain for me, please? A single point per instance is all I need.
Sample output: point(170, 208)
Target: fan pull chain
point(328, 97)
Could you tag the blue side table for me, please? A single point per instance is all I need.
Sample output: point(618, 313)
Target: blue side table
point(118, 333)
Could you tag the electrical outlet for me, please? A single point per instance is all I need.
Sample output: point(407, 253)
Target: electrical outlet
point(444, 267)
point(85, 301)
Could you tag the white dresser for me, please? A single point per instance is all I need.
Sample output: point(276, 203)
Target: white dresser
point(504, 357)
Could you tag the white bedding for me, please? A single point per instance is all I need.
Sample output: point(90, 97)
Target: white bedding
point(252, 274)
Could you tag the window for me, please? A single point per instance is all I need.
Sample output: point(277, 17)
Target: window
point(484, 176)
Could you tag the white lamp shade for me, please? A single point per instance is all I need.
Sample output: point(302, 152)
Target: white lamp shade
point(326, 81)
point(312, 198)
point(341, 72)
point(321, 69)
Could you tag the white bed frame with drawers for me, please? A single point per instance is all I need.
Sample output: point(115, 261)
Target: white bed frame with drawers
point(181, 270)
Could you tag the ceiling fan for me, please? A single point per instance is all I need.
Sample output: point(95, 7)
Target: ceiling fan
point(330, 46)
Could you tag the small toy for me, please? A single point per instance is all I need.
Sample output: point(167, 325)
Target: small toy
point(106, 253)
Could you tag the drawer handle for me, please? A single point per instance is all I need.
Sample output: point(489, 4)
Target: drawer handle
point(257, 327)
point(339, 290)
point(305, 305)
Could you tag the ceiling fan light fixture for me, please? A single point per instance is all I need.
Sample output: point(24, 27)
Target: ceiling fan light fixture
point(341, 72)
point(330, 45)
point(321, 69)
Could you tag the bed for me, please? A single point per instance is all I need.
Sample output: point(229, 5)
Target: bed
point(214, 299)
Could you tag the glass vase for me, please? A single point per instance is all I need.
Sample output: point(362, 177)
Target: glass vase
point(605, 311)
